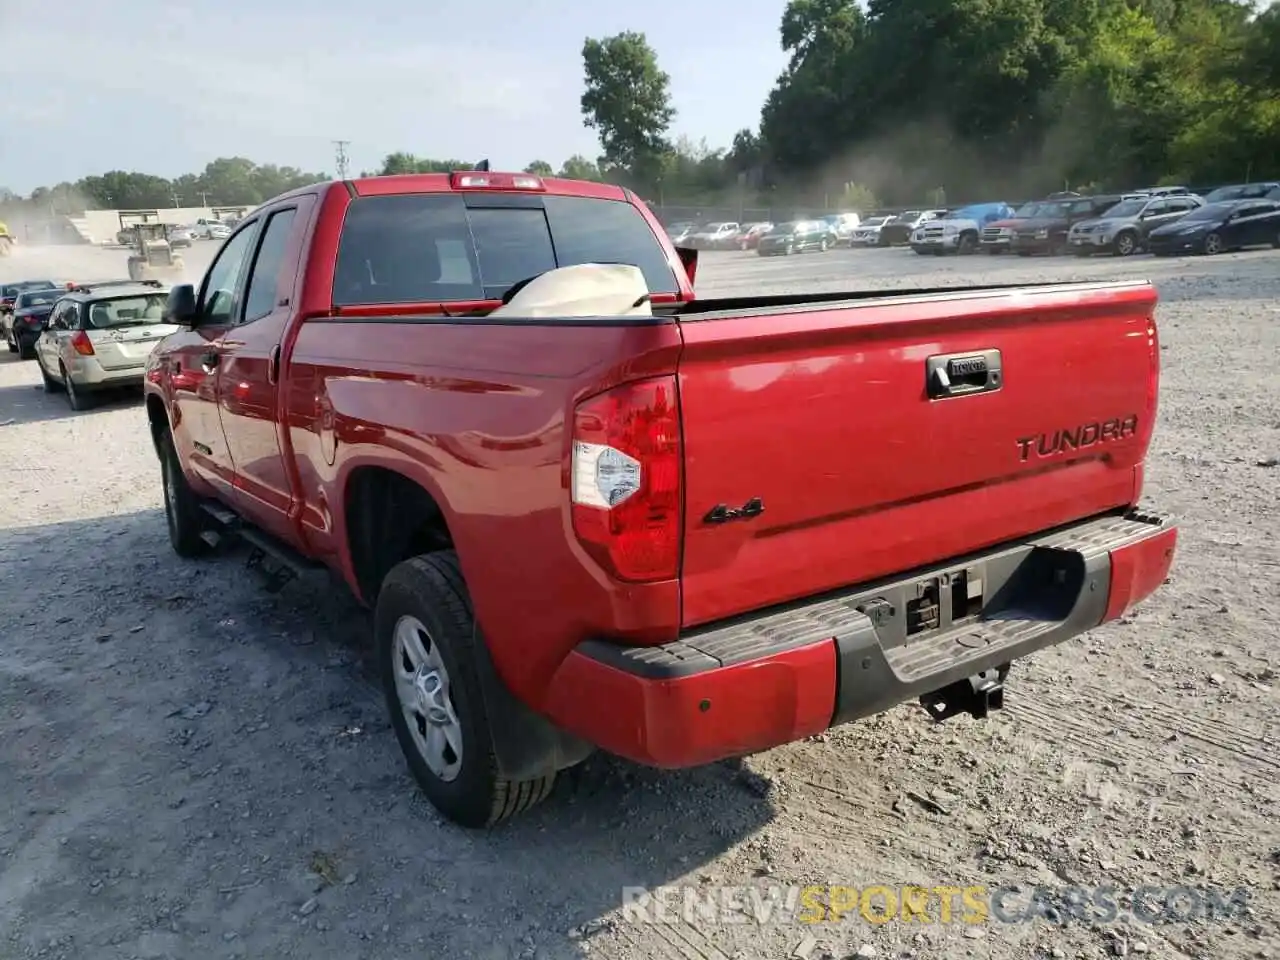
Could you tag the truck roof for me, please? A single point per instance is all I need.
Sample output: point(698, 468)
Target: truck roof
point(460, 180)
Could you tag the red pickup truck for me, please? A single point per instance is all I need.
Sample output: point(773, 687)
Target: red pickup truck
point(684, 532)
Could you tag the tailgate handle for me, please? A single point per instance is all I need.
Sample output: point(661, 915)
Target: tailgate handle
point(963, 374)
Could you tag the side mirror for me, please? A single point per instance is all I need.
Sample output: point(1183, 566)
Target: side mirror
point(689, 260)
point(181, 305)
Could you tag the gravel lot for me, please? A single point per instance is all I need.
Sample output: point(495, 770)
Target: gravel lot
point(190, 767)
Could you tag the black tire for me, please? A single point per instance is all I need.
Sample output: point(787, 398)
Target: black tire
point(26, 348)
point(10, 341)
point(968, 244)
point(1125, 244)
point(430, 589)
point(50, 385)
point(182, 512)
point(76, 399)
point(1213, 244)
point(823, 245)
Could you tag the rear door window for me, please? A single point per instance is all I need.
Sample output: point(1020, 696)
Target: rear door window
point(430, 248)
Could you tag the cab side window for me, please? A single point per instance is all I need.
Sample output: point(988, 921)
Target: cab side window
point(71, 317)
point(260, 298)
point(222, 282)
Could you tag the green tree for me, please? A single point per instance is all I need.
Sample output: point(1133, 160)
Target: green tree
point(402, 163)
point(627, 101)
point(579, 167)
point(539, 168)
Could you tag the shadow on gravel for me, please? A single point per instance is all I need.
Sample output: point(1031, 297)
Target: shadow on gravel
point(25, 403)
point(232, 761)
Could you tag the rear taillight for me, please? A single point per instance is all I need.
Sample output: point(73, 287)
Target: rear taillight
point(625, 484)
point(82, 344)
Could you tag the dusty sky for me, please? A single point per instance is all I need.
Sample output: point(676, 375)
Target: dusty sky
point(164, 88)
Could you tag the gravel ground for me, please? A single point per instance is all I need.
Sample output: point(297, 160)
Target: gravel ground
point(190, 767)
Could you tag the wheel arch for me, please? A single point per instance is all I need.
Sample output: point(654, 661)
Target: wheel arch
point(390, 516)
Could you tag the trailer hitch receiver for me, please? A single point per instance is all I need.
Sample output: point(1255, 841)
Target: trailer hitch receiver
point(977, 696)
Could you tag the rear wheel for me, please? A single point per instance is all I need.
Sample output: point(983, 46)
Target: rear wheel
point(77, 398)
point(26, 348)
point(10, 341)
point(426, 640)
point(50, 385)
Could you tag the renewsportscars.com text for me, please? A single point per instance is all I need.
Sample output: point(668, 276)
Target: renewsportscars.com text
point(938, 904)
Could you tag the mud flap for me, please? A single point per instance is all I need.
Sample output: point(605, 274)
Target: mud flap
point(525, 744)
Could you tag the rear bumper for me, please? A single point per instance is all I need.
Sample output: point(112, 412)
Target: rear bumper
point(784, 674)
point(90, 374)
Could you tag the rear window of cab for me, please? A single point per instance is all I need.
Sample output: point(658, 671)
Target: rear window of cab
point(433, 248)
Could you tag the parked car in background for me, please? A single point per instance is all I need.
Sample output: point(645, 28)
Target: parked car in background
point(1242, 191)
point(867, 233)
point(796, 237)
point(99, 339)
point(1123, 229)
point(997, 236)
point(898, 230)
point(959, 230)
point(749, 236)
point(679, 231)
point(842, 225)
point(1047, 229)
point(23, 323)
point(714, 236)
point(204, 229)
point(1219, 227)
point(9, 291)
point(180, 236)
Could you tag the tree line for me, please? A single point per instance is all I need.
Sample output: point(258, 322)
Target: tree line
point(900, 102)
point(227, 181)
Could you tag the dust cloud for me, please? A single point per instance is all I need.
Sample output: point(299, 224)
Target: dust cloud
point(910, 164)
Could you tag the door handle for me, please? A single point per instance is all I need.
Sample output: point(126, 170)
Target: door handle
point(962, 374)
point(209, 360)
point(273, 364)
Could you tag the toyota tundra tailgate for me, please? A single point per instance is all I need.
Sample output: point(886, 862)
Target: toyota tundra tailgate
point(834, 443)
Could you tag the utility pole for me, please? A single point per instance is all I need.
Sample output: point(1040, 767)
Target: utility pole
point(177, 200)
point(341, 162)
point(204, 197)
